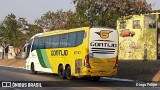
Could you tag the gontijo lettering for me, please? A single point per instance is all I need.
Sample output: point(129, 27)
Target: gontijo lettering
point(102, 44)
point(59, 52)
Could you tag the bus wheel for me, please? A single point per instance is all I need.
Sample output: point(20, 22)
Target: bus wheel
point(95, 78)
point(32, 69)
point(68, 73)
point(61, 72)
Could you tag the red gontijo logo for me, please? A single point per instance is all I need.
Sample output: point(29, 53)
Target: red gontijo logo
point(104, 34)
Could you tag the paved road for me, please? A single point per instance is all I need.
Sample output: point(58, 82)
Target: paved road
point(20, 75)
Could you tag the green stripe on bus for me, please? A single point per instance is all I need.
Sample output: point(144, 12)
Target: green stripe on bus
point(40, 58)
point(45, 58)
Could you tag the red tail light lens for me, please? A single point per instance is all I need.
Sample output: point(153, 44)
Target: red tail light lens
point(86, 61)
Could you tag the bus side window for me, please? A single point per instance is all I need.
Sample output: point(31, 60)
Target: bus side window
point(72, 39)
point(28, 47)
point(63, 40)
point(41, 43)
point(79, 37)
point(55, 41)
point(35, 44)
point(48, 42)
point(28, 50)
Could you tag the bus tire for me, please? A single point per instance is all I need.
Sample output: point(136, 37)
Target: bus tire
point(32, 69)
point(61, 72)
point(68, 73)
point(96, 78)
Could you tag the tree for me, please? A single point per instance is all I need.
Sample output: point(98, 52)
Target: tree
point(10, 31)
point(58, 20)
point(107, 12)
point(33, 29)
point(22, 23)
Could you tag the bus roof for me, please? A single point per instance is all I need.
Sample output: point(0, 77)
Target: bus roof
point(38, 34)
point(64, 31)
point(67, 30)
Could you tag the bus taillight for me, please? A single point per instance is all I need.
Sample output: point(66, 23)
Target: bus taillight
point(86, 61)
point(116, 64)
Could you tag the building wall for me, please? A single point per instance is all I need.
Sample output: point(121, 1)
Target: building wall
point(131, 47)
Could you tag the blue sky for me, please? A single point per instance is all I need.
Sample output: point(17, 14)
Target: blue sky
point(155, 3)
point(34, 9)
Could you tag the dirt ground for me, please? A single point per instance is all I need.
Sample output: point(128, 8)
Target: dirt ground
point(139, 70)
point(13, 62)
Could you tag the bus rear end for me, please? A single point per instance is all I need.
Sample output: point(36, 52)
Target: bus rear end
point(102, 57)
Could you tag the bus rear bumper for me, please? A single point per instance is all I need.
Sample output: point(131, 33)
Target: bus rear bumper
point(99, 73)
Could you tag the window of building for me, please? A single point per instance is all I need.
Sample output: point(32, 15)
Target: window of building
point(150, 21)
point(136, 24)
point(123, 25)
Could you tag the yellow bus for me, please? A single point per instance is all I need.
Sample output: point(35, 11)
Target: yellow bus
point(82, 52)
